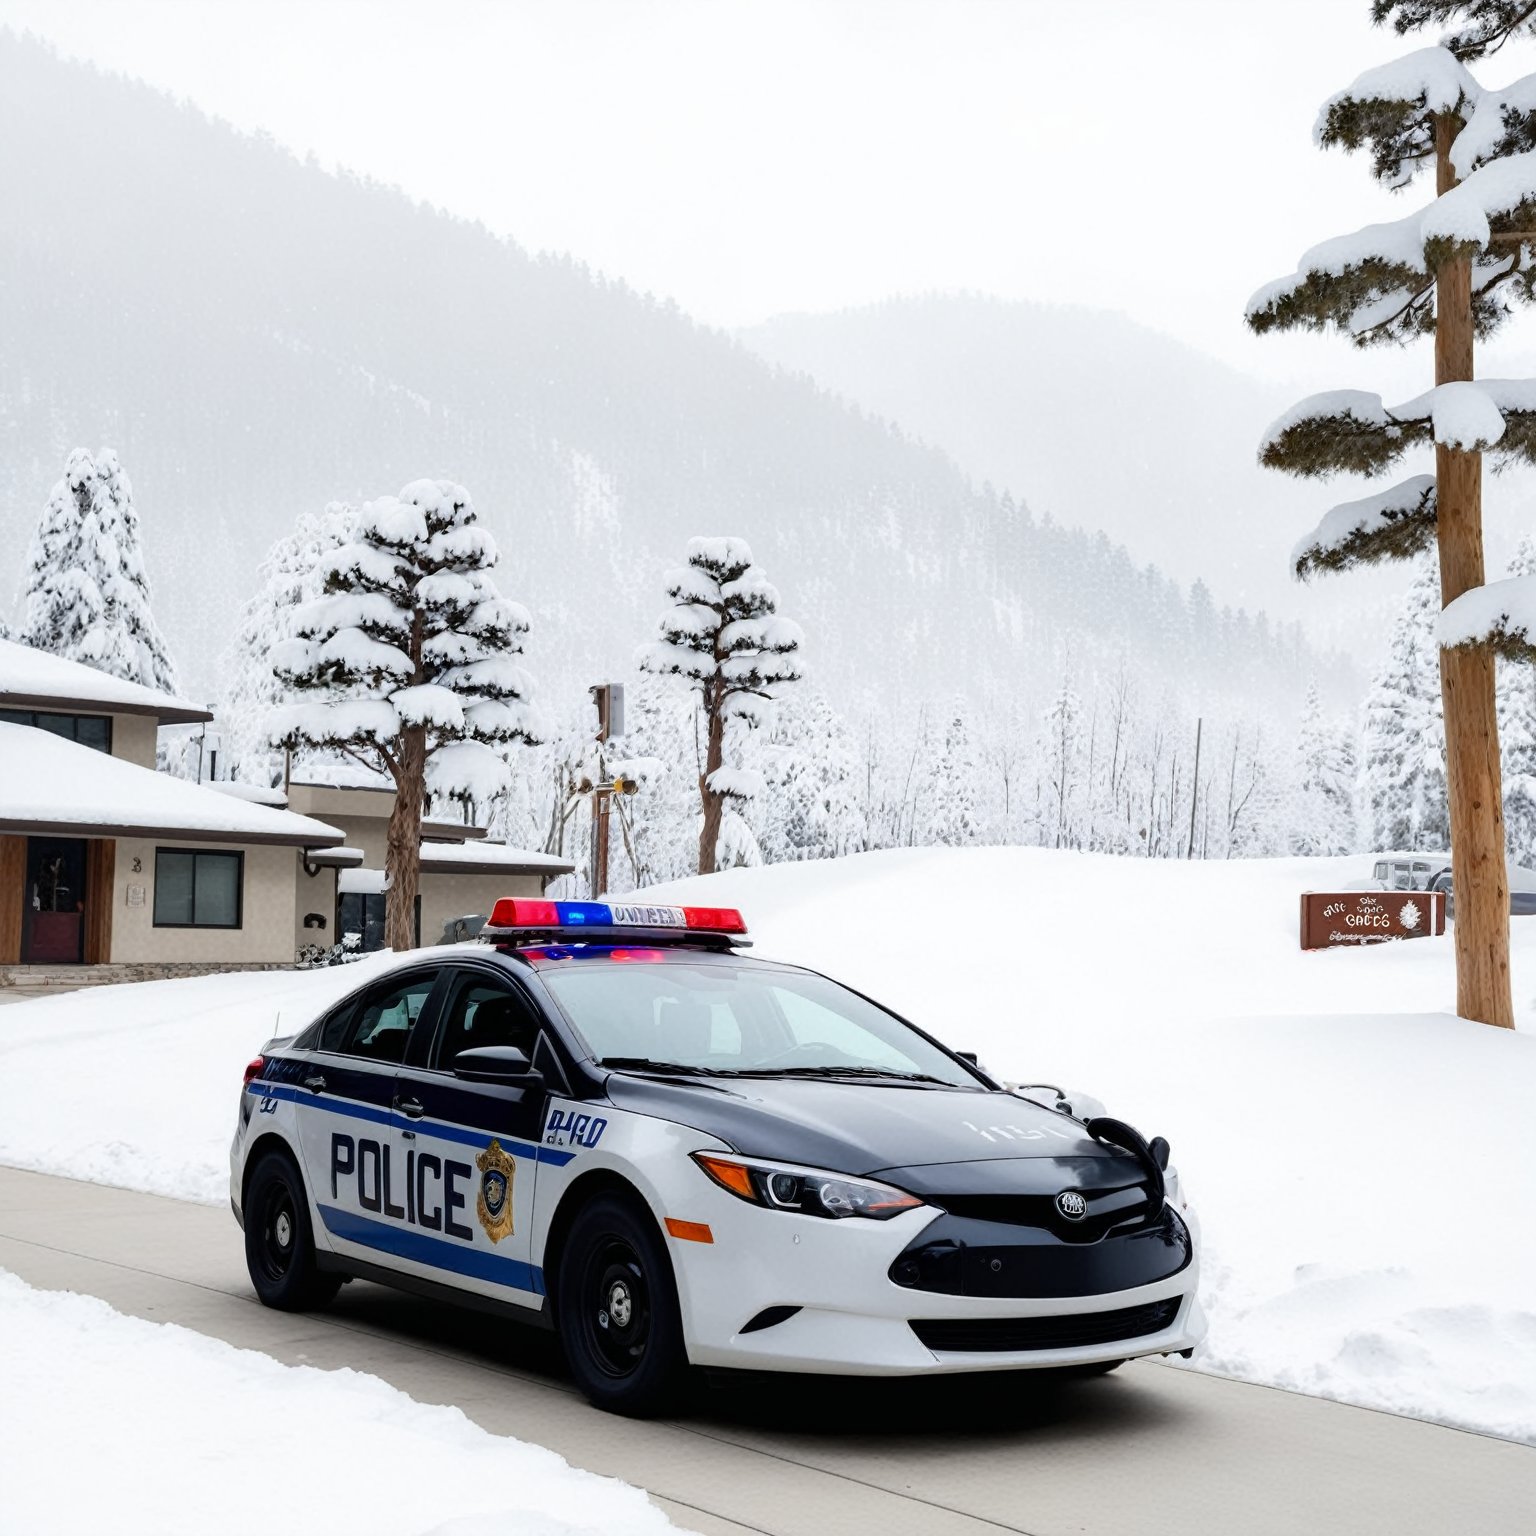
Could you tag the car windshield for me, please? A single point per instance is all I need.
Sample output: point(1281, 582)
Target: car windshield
point(719, 1018)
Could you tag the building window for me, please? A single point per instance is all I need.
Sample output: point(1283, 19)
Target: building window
point(93, 731)
point(198, 889)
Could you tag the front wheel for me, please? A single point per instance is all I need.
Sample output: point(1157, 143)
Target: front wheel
point(279, 1244)
point(617, 1311)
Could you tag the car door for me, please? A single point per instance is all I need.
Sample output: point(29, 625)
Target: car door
point(472, 1148)
point(347, 1134)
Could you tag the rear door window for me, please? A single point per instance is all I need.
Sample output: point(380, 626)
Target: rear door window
point(378, 1025)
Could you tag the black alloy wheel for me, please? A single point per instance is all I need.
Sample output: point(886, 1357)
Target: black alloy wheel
point(617, 1311)
point(279, 1244)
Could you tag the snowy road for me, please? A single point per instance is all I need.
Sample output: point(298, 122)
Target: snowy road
point(1150, 1450)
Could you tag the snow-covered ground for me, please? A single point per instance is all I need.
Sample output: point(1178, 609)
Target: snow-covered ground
point(158, 1431)
point(1361, 1159)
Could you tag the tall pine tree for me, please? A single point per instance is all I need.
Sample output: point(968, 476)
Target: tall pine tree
point(1450, 270)
point(86, 594)
point(725, 635)
point(408, 664)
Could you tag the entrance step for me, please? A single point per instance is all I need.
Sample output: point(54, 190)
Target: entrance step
point(18, 981)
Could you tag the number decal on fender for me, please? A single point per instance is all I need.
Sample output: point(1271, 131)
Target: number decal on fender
point(567, 1128)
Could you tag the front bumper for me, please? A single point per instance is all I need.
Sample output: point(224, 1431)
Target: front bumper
point(851, 1318)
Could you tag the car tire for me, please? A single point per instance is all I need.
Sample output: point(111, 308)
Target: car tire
point(279, 1241)
point(617, 1311)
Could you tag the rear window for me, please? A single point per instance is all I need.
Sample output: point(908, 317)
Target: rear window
point(738, 1018)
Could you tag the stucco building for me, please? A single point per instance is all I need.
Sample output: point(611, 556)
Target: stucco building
point(105, 861)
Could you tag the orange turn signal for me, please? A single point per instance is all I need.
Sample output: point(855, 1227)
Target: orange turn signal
point(732, 1175)
point(690, 1231)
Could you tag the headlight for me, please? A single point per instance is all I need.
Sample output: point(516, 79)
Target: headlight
point(808, 1193)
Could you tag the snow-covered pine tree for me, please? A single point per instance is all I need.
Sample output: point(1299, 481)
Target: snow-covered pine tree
point(290, 577)
point(1448, 269)
point(1517, 731)
point(955, 817)
point(725, 635)
point(1403, 774)
point(86, 595)
point(408, 664)
point(1323, 812)
point(1061, 747)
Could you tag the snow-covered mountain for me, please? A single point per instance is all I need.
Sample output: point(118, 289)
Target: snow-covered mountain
point(256, 337)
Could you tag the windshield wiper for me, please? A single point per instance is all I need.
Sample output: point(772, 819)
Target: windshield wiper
point(889, 1073)
point(670, 1068)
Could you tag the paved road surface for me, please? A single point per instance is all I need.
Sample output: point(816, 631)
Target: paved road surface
point(1149, 1451)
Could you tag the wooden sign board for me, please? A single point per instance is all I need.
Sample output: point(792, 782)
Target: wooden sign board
point(1334, 919)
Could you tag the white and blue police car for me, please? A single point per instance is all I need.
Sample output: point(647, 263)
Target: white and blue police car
point(608, 1120)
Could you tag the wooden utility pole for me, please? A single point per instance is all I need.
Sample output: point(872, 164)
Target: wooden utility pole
point(1478, 868)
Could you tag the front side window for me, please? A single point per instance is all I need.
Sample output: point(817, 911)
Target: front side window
point(197, 888)
point(485, 1013)
point(739, 1018)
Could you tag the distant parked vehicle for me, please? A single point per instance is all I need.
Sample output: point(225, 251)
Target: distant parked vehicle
point(1432, 872)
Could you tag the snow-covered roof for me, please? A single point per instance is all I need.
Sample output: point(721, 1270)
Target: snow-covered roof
point(489, 859)
point(341, 776)
point(41, 680)
point(256, 794)
point(56, 786)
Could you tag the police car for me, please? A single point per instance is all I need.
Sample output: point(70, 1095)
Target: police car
point(609, 1120)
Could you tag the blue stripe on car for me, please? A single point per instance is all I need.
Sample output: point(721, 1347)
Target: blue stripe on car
point(371, 1112)
point(407, 1243)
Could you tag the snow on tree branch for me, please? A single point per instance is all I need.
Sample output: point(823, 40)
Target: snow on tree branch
point(1395, 524)
point(1486, 25)
point(1501, 615)
point(1351, 431)
point(410, 634)
point(725, 636)
point(86, 595)
point(1376, 284)
point(1391, 109)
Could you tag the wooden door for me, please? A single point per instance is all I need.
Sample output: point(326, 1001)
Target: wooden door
point(100, 870)
point(13, 888)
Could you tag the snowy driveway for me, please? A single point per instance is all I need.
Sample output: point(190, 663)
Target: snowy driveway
point(1151, 1450)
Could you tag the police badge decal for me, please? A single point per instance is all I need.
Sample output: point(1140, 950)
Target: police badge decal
point(494, 1207)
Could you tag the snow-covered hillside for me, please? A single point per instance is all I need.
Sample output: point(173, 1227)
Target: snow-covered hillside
point(361, 341)
point(1359, 1157)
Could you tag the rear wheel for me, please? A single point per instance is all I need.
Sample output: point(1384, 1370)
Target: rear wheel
point(617, 1311)
point(279, 1243)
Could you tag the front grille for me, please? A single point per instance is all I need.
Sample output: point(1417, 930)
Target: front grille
point(1075, 1331)
point(1108, 1210)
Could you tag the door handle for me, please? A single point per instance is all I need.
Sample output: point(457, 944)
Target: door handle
point(314, 1082)
point(412, 1109)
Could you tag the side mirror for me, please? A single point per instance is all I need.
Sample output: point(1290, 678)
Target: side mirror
point(969, 1056)
point(497, 1064)
point(1159, 1149)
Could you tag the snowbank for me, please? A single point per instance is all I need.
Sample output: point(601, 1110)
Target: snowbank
point(94, 1402)
point(1360, 1157)
point(197, 1033)
point(1343, 1136)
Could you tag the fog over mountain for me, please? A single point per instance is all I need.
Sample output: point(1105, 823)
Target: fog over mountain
point(256, 337)
point(1102, 423)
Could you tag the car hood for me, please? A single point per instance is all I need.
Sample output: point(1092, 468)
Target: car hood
point(859, 1128)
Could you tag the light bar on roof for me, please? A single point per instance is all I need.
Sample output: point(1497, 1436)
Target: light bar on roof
point(513, 914)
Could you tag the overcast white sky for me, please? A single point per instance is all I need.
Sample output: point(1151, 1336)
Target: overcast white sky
point(748, 158)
